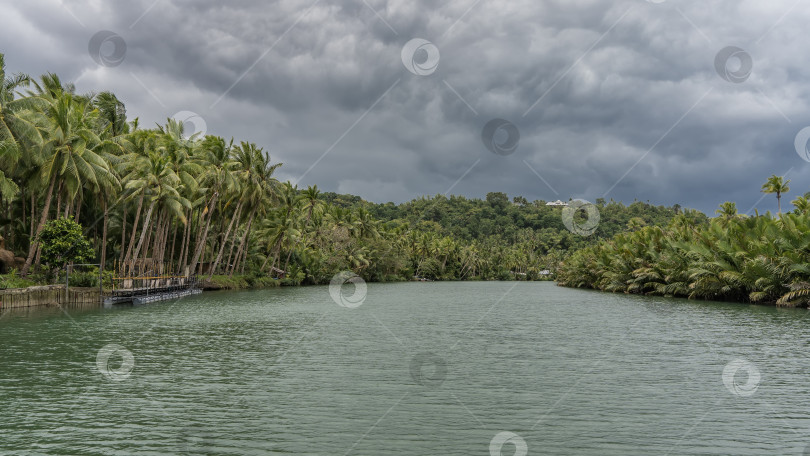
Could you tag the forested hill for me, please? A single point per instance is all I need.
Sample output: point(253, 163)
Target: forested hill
point(511, 219)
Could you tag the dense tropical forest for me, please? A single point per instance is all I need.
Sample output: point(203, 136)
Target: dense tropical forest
point(154, 200)
point(761, 259)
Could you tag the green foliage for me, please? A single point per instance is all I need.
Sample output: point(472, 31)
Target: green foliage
point(746, 259)
point(238, 282)
point(84, 278)
point(13, 280)
point(63, 242)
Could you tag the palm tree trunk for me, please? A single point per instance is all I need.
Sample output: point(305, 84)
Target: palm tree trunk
point(174, 244)
point(187, 241)
point(104, 234)
point(145, 251)
point(287, 262)
point(134, 231)
point(32, 249)
point(230, 251)
point(154, 239)
point(214, 265)
point(79, 208)
point(244, 256)
point(123, 234)
point(242, 243)
point(58, 200)
point(201, 245)
point(33, 217)
point(266, 260)
point(275, 253)
point(143, 235)
point(24, 209)
point(181, 259)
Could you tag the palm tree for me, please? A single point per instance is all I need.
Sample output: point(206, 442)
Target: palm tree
point(72, 155)
point(215, 159)
point(312, 202)
point(17, 129)
point(154, 179)
point(802, 204)
point(259, 190)
point(112, 113)
point(727, 212)
point(776, 184)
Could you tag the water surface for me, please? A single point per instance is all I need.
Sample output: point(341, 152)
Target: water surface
point(417, 369)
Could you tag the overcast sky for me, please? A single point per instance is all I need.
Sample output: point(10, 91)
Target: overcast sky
point(616, 99)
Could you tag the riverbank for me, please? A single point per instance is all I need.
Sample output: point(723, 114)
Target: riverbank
point(239, 282)
point(47, 295)
point(21, 293)
point(31, 293)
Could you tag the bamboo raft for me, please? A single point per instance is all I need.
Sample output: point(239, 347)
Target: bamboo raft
point(144, 289)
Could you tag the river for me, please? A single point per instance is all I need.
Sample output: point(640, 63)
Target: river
point(445, 368)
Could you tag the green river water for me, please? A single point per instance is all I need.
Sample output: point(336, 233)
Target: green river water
point(470, 368)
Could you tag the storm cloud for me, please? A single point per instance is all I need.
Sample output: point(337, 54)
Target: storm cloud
point(617, 99)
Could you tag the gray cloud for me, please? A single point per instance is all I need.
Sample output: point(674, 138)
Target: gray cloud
point(615, 78)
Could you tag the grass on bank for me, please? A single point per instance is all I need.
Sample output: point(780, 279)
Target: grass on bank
point(240, 282)
point(12, 280)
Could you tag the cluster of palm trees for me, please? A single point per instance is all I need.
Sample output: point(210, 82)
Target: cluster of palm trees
point(434, 256)
point(154, 201)
point(733, 257)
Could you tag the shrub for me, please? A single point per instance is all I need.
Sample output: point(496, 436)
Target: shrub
point(62, 242)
